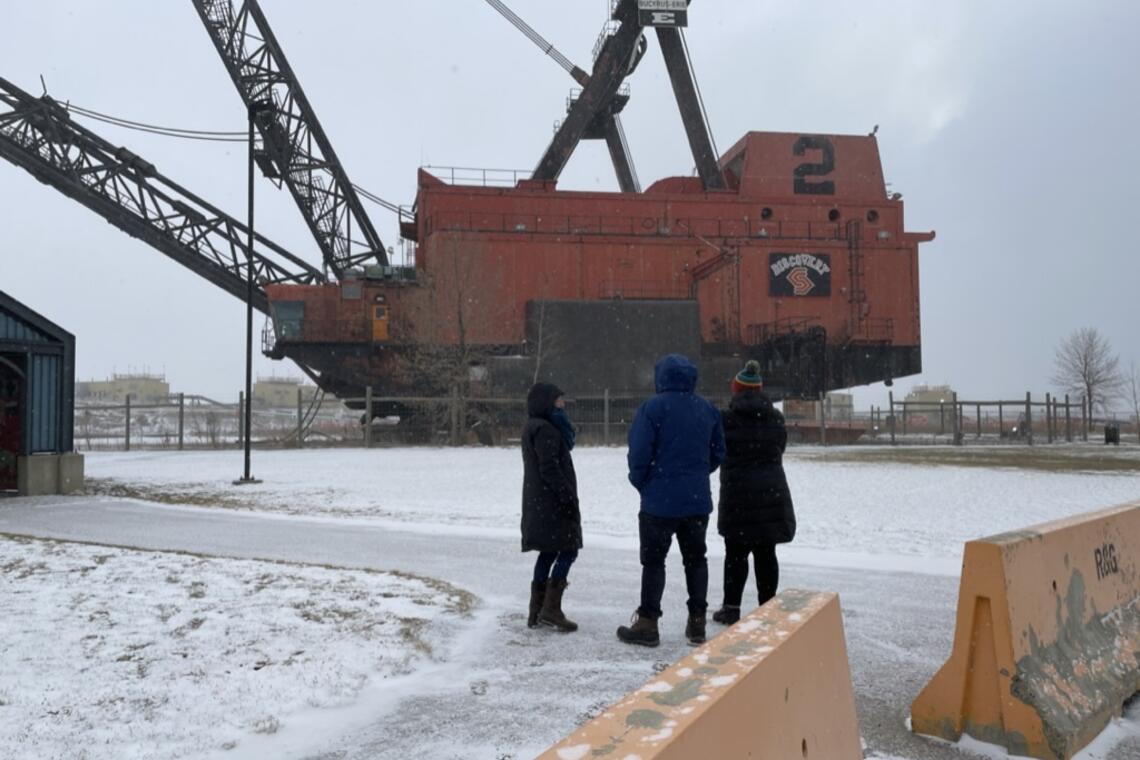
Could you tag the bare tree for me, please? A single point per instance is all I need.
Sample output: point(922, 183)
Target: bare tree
point(1084, 364)
point(1132, 390)
point(449, 360)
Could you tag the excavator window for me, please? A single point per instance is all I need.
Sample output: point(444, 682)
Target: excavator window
point(289, 318)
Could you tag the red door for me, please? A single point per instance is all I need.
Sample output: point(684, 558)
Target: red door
point(11, 418)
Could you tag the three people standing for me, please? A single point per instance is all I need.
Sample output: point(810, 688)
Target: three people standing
point(677, 440)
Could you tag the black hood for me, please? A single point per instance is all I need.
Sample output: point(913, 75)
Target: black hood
point(540, 400)
point(752, 403)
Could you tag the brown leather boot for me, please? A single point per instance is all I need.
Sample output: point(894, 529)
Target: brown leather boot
point(551, 613)
point(537, 595)
point(642, 632)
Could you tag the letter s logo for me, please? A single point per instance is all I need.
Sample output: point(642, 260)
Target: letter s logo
point(801, 281)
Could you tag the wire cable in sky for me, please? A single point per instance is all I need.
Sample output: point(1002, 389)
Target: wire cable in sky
point(700, 98)
point(152, 127)
point(199, 134)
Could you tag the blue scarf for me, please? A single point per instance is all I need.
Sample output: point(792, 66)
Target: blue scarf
point(559, 419)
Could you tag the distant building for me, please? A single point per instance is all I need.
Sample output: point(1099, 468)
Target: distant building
point(840, 407)
point(142, 388)
point(280, 391)
point(928, 399)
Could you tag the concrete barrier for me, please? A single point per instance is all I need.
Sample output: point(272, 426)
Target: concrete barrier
point(37, 475)
point(71, 478)
point(48, 474)
point(1047, 643)
point(775, 685)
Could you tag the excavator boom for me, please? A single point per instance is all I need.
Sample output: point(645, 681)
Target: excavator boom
point(296, 150)
point(39, 135)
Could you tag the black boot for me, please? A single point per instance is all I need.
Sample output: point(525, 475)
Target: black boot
point(643, 631)
point(727, 614)
point(537, 594)
point(551, 613)
point(695, 629)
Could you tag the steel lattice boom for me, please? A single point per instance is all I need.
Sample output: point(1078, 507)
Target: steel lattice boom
point(297, 150)
point(39, 135)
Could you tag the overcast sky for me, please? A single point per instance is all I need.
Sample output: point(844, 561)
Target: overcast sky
point(1010, 129)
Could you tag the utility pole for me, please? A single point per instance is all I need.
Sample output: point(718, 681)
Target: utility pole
point(247, 477)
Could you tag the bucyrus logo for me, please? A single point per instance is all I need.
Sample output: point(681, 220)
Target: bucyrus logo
point(801, 281)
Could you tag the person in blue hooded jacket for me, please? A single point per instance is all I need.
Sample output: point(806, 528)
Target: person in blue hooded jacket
point(675, 443)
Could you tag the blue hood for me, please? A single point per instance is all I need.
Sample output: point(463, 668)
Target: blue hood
point(675, 373)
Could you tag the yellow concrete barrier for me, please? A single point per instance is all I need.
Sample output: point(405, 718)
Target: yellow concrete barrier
point(1047, 643)
point(775, 685)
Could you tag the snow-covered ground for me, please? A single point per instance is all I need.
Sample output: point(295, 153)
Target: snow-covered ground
point(489, 688)
point(865, 514)
point(112, 653)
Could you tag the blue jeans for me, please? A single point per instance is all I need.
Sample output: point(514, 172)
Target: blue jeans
point(656, 537)
point(559, 561)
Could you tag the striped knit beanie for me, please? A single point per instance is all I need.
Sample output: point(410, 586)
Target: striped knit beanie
point(748, 379)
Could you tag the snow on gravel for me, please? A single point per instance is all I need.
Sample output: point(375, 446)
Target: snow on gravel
point(888, 516)
point(110, 653)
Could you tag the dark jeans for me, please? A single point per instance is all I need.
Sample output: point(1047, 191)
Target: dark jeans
point(736, 570)
point(656, 536)
point(560, 561)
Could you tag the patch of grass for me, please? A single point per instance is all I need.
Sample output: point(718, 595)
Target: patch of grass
point(1037, 458)
point(200, 496)
point(459, 600)
point(411, 631)
point(168, 494)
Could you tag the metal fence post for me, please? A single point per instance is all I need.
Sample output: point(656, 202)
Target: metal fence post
point(241, 417)
point(1084, 420)
point(978, 411)
point(1048, 421)
point(822, 418)
point(1068, 421)
point(368, 417)
point(891, 413)
point(455, 415)
point(181, 421)
point(904, 405)
point(957, 427)
point(127, 431)
point(1029, 417)
point(300, 422)
point(606, 417)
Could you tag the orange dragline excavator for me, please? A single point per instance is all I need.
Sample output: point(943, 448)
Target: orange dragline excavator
point(786, 248)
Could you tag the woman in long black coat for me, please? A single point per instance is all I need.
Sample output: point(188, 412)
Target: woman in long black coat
point(755, 511)
point(551, 520)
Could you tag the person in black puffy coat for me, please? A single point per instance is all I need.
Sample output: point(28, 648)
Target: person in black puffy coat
point(755, 511)
point(551, 520)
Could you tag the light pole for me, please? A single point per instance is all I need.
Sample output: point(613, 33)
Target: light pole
point(255, 107)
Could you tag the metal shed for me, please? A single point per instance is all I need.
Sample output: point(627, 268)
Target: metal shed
point(37, 404)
